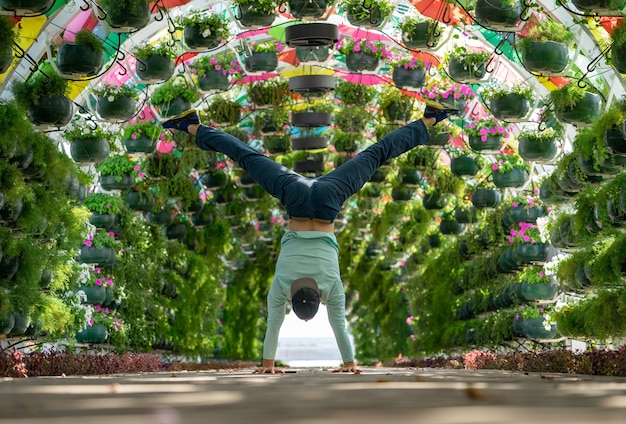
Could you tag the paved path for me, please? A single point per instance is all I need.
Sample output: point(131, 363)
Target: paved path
point(316, 396)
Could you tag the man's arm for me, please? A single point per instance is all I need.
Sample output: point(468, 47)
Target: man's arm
point(336, 308)
point(276, 308)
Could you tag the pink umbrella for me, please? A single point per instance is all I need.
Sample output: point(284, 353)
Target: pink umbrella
point(361, 34)
point(368, 79)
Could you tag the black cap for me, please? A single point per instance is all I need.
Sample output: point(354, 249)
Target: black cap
point(305, 298)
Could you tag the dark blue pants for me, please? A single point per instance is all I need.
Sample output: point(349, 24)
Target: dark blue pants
point(322, 197)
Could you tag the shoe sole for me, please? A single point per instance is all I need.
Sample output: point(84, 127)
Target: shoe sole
point(180, 115)
point(441, 106)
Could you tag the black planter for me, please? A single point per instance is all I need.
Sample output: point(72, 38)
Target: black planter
point(114, 182)
point(312, 34)
point(139, 201)
point(537, 151)
point(516, 177)
point(52, 110)
point(591, 5)
point(261, 62)
point(214, 180)
point(450, 226)
point(374, 19)
point(194, 38)
point(420, 38)
point(491, 145)
point(398, 111)
point(174, 107)
point(213, 80)
point(546, 57)
point(309, 166)
point(312, 54)
point(483, 198)
point(412, 78)
point(27, 7)
point(311, 119)
point(104, 220)
point(89, 151)
point(307, 8)
point(591, 169)
point(410, 177)
point(309, 143)
point(312, 84)
point(585, 112)
point(9, 265)
point(155, 68)
point(175, 231)
point(465, 73)
point(434, 201)
point(532, 253)
point(162, 217)
point(120, 109)
point(436, 138)
point(551, 194)
point(249, 17)
point(512, 216)
point(79, 60)
point(494, 15)
point(464, 166)
point(140, 145)
point(93, 255)
point(511, 107)
point(466, 215)
point(359, 62)
point(614, 140)
point(126, 16)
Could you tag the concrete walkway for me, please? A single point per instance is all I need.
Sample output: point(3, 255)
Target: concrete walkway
point(311, 396)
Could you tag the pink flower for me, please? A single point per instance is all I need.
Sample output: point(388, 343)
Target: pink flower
point(133, 137)
point(111, 233)
point(516, 317)
point(510, 239)
point(98, 282)
point(494, 166)
point(136, 168)
point(87, 243)
point(515, 204)
point(526, 238)
point(108, 206)
point(540, 273)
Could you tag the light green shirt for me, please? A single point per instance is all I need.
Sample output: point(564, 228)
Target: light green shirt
point(313, 254)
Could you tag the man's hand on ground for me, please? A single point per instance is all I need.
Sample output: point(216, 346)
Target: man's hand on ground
point(268, 370)
point(348, 367)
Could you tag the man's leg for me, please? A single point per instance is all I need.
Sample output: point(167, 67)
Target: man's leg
point(269, 174)
point(347, 179)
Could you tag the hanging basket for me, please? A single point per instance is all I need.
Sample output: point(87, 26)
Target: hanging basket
point(510, 107)
point(120, 109)
point(248, 16)
point(491, 145)
point(585, 112)
point(436, 138)
point(398, 111)
point(175, 231)
point(615, 141)
point(420, 38)
point(516, 177)
point(196, 39)
point(546, 57)
point(513, 216)
point(101, 256)
point(214, 180)
point(307, 9)
point(309, 143)
point(116, 182)
point(79, 60)
point(312, 54)
point(27, 7)
point(466, 73)
point(434, 201)
point(311, 119)
point(532, 252)
point(309, 166)
point(450, 226)
point(312, 34)
point(261, 62)
point(96, 333)
point(176, 106)
point(359, 62)
point(312, 84)
point(162, 217)
point(89, 151)
point(464, 166)
point(126, 16)
point(497, 16)
point(534, 328)
point(6, 323)
point(484, 198)
point(466, 215)
point(154, 69)
point(213, 80)
point(139, 201)
point(374, 19)
point(412, 78)
point(93, 295)
point(540, 151)
point(104, 220)
point(410, 177)
point(52, 110)
point(141, 144)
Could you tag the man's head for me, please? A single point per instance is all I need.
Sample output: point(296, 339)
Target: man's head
point(305, 298)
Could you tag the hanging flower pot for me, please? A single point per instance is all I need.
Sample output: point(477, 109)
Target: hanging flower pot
point(551, 194)
point(499, 15)
point(591, 169)
point(412, 78)
point(595, 6)
point(6, 323)
point(139, 201)
point(261, 62)
point(508, 261)
point(437, 137)
point(484, 198)
point(79, 60)
point(398, 111)
point(162, 217)
point(141, 144)
point(585, 111)
point(312, 84)
point(510, 107)
point(614, 140)
point(89, 150)
point(546, 57)
point(155, 68)
point(532, 252)
point(51, 110)
point(116, 109)
point(541, 150)
point(96, 333)
point(450, 226)
point(249, 16)
point(213, 80)
point(464, 166)
point(402, 194)
point(538, 291)
point(311, 119)
point(410, 177)
point(116, 182)
point(93, 255)
point(423, 36)
point(126, 16)
point(462, 71)
point(466, 215)
point(6, 57)
point(307, 8)
point(359, 62)
point(27, 7)
point(312, 54)
point(196, 38)
point(534, 328)
point(9, 265)
point(309, 143)
point(516, 177)
point(175, 107)
point(512, 216)
point(618, 50)
point(309, 166)
point(485, 144)
point(175, 231)
point(11, 210)
point(94, 295)
point(434, 201)
point(104, 220)
point(214, 180)
point(276, 144)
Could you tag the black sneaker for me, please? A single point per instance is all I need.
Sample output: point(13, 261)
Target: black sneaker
point(438, 111)
point(182, 121)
